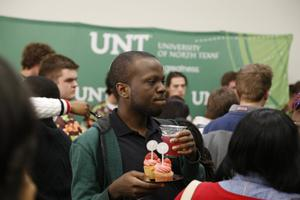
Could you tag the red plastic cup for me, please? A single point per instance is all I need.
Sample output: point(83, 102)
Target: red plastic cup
point(169, 132)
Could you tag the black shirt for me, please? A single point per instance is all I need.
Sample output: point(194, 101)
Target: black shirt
point(133, 150)
point(51, 170)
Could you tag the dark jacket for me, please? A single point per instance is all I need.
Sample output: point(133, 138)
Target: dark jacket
point(51, 171)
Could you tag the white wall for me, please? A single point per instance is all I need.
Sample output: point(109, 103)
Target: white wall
point(251, 16)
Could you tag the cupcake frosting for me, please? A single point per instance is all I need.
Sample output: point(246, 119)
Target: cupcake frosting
point(163, 168)
point(150, 162)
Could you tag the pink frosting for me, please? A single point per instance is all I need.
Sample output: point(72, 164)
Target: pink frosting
point(149, 162)
point(163, 168)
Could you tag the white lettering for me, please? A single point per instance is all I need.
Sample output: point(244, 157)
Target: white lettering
point(184, 55)
point(117, 43)
point(140, 41)
point(200, 97)
point(90, 94)
point(208, 55)
point(94, 39)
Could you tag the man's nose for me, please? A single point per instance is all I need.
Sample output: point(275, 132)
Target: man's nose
point(75, 84)
point(161, 88)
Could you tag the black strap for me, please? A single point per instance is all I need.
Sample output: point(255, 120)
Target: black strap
point(103, 126)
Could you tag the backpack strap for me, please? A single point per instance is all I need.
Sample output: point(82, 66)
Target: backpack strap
point(109, 152)
point(189, 190)
point(103, 126)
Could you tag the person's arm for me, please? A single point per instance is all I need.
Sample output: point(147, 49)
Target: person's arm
point(85, 184)
point(49, 107)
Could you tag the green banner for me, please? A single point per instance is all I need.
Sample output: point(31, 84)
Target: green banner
point(202, 56)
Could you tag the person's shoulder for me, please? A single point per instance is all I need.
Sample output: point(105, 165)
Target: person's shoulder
point(217, 124)
point(89, 138)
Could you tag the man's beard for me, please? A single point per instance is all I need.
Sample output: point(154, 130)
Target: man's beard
point(147, 111)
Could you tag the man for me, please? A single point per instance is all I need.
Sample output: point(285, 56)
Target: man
point(229, 80)
point(32, 55)
point(218, 104)
point(176, 83)
point(63, 71)
point(253, 83)
point(109, 164)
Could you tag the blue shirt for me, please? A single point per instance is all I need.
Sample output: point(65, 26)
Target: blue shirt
point(255, 186)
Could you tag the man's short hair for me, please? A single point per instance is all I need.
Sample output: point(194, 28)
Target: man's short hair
point(52, 65)
point(109, 86)
point(119, 70)
point(174, 74)
point(253, 81)
point(228, 77)
point(219, 102)
point(33, 53)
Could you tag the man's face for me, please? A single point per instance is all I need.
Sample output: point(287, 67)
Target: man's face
point(147, 90)
point(67, 83)
point(177, 87)
point(232, 85)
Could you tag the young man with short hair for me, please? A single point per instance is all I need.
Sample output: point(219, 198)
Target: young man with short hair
point(63, 71)
point(107, 163)
point(253, 83)
point(176, 84)
point(229, 79)
point(32, 56)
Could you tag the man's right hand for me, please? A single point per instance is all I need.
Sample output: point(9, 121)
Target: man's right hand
point(131, 184)
point(79, 108)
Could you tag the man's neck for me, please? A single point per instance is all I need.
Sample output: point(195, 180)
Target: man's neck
point(111, 99)
point(34, 71)
point(27, 73)
point(252, 104)
point(134, 120)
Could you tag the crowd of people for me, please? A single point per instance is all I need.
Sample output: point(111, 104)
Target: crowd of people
point(236, 150)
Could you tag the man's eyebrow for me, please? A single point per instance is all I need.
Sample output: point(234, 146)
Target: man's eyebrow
point(71, 79)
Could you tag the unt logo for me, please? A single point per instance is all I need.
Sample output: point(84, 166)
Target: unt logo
point(114, 44)
point(200, 97)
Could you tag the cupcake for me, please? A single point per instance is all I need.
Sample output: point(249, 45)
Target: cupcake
point(149, 165)
point(163, 172)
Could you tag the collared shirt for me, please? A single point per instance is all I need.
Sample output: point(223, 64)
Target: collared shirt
point(133, 150)
point(229, 121)
point(254, 186)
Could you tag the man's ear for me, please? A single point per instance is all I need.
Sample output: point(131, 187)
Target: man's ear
point(266, 96)
point(123, 90)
